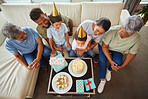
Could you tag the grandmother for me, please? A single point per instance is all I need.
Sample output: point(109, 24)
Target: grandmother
point(24, 43)
point(116, 43)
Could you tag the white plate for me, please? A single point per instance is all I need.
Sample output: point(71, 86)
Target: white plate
point(74, 74)
point(54, 86)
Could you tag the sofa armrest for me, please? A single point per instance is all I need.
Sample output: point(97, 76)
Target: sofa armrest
point(3, 21)
point(124, 15)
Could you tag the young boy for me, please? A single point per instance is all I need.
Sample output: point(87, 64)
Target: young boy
point(80, 45)
point(58, 32)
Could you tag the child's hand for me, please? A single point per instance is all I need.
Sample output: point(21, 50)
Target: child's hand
point(60, 49)
point(53, 51)
point(68, 44)
point(80, 53)
point(88, 48)
point(63, 47)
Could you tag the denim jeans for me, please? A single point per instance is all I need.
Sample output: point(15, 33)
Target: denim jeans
point(117, 57)
point(31, 56)
point(85, 54)
point(65, 45)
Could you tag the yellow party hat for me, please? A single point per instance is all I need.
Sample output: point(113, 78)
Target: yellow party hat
point(54, 10)
point(81, 33)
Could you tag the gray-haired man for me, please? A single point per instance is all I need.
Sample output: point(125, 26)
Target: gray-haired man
point(24, 43)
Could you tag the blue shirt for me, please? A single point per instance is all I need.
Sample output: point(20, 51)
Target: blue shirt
point(26, 46)
point(58, 35)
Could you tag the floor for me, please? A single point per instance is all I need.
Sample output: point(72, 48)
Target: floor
point(130, 82)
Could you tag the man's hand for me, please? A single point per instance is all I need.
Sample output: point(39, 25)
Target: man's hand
point(35, 64)
point(29, 67)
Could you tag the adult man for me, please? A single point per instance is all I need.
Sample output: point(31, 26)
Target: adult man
point(24, 43)
point(43, 21)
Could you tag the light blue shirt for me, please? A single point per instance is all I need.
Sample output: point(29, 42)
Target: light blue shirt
point(58, 35)
point(26, 46)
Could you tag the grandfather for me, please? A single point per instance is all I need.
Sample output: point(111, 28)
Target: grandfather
point(117, 42)
point(24, 43)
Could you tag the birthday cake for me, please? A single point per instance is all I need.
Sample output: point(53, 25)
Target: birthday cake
point(78, 66)
point(62, 82)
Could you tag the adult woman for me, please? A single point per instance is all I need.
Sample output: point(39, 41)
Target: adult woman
point(96, 30)
point(116, 42)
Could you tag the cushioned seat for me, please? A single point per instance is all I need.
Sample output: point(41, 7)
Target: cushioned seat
point(16, 81)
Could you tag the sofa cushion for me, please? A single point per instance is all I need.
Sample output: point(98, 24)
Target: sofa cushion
point(81, 1)
point(18, 13)
point(124, 14)
point(3, 21)
point(96, 10)
point(72, 10)
point(15, 79)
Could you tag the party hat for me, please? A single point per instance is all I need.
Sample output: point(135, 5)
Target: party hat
point(81, 33)
point(54, 10)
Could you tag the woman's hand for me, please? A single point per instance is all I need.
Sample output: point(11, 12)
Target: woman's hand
point(120, 67)
point(115, 68)
point(114, 65)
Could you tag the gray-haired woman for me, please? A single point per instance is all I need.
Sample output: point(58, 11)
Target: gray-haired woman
point(116, 42)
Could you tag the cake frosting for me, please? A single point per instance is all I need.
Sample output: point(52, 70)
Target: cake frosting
point(62, 82)
point(78, 66)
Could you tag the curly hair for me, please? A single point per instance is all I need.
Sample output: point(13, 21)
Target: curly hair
point(35, 13)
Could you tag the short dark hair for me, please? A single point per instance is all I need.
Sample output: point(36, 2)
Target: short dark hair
point(35, 13)
point(80, 39)
point(54, 19)
point(104, 22)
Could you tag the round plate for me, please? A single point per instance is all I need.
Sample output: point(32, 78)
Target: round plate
point(54, 86)
point(74, 74)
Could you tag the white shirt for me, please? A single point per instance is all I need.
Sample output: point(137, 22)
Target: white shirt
point(74, 43)
point(87, 26)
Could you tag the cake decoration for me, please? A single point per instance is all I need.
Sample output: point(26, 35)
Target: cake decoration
point(78, 66)
point(62, 82)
